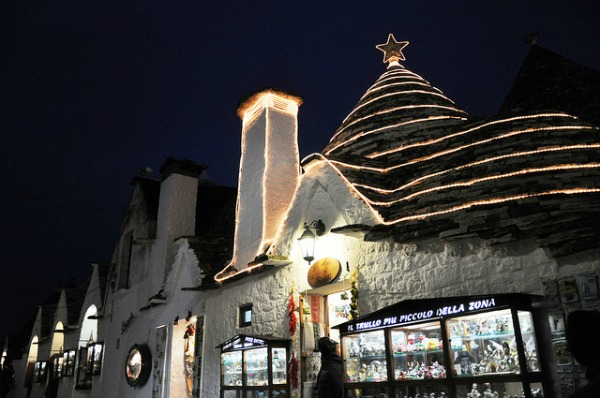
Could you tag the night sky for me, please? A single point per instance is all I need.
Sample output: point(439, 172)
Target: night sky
point(91, 92)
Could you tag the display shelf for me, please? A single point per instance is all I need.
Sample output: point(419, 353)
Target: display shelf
point(254, 366)
point(453, 347)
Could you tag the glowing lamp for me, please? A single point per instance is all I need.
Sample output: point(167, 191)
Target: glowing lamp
point(308, 237)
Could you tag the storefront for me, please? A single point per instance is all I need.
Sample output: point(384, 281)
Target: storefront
point(458, 347)
point(255, 367)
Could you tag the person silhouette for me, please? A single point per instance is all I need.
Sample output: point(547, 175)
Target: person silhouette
point(329, 379)
point(581, 326)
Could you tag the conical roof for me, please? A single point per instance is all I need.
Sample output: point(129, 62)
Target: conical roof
point(548, 80)
point(429, 171)
point(400, 107)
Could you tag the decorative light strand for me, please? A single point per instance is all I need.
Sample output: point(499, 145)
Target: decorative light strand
point(390, 127)
point(572, 191)
point(322, 160)
point(477, 163)
point(456, 149)
point(219, 278)
point(475, 181)
point(263, 102)
point(223, 276)
point(398, 108)
point(405, 79)
point(396, 74)
point(396, 94)
point(459, 133)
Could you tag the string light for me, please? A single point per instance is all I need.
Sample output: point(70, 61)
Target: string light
point(459, 133)
point(456, 149)
point(489, 178)
point(395, 74)
point(571, 191)
point(395, 109)
point(263, 102)
point(477, 163)
point(391, 127)
point(398, 93)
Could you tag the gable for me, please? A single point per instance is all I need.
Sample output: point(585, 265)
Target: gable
point(323, 193)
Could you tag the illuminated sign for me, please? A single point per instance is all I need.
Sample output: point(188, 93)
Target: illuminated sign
point(242, 342)
point(413, 311)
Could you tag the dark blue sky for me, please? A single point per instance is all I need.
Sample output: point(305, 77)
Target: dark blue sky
point(92, 92)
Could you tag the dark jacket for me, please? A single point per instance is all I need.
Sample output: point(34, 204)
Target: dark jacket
point(329, 380)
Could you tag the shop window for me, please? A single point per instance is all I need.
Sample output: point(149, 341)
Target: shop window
point(83, 381)
point(245, 313)
point(93, 364)
point(39, 372)
point(68, 363)
point(57, 366)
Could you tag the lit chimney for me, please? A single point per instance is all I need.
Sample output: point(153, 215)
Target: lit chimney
point(269, 171)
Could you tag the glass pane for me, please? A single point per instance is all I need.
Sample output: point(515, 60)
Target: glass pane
point(231, 368)
point(257, 394)
point(425, 391)
point(418, 352)
point(365, 357)
point(280, 394)
point(338, 311)
point(232, 394)
point(528, 333)
point(256, 367)
point(536, 390)
point(279, 365)
point(482, 344)
point(97, 358)
point(371, 392)
point(482, 390)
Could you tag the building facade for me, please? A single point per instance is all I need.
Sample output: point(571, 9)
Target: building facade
point(412, 199)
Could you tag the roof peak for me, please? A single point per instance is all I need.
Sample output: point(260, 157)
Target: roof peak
point(392, 50)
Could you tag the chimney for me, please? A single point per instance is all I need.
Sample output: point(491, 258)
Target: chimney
point(176, 209)
point(269, 171)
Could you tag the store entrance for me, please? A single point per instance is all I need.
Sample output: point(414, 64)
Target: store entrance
point(185, 357)
point(322, 309)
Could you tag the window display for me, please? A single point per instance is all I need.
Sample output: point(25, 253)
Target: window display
point(418, 352)
point(254, 366)
point(94, 358)
point(39, 372)
point(69, 362)
point(463, 347)
point(365, 357)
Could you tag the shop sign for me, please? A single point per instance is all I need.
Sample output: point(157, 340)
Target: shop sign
point(126, 323)
point(243, 342)
point(389, 320)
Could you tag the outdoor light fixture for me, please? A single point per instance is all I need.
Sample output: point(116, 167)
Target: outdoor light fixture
point(307, 239)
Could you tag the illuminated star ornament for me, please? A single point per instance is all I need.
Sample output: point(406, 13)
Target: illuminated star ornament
point(392, 50)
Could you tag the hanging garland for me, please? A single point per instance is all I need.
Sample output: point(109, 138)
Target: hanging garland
point(293, 371)
point(292, 314)
point(354, 313)
point(293, 327)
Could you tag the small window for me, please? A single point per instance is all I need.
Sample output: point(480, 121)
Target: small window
point(245, 315)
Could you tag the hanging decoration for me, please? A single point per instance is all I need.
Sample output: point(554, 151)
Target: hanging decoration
point(292, 315)
point(354, 313)
point(293, 371)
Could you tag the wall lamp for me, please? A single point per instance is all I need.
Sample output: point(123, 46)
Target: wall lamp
point(308, 237)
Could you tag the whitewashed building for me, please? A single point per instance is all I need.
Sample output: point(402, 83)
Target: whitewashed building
point(412, 199)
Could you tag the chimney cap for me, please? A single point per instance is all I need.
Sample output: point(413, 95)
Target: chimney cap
point(181, 166)
point(251, 99)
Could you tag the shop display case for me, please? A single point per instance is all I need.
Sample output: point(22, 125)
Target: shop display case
point(254, 367)
point(458, 347)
